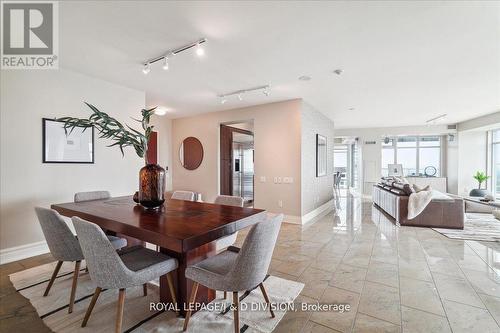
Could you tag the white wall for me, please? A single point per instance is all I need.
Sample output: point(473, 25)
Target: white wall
point(27, 97)
point(472, 156)
point(163, 126)
point(315, 191)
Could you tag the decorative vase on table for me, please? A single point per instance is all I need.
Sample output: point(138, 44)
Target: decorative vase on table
point(152, 186)
point(152, 176)
point(480, 177)
point(478, 192)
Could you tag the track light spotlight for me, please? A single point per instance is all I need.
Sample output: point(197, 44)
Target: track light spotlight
point(223, 100)
point(174, 52)
point(266, 91)
point(240, 97)
point(199, 50)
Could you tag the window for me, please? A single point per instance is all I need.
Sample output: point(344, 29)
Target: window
point(495, 158)
point(415, 153)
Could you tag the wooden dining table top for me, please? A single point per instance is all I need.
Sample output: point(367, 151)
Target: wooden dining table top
point(178, 225)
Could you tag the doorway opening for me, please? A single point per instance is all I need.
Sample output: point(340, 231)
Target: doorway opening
point(346, 164)
point(237, 161)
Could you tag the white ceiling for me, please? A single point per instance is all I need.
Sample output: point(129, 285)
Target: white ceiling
point(403, 63)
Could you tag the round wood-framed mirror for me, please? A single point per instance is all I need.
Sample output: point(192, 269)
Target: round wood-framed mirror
point(191, 153)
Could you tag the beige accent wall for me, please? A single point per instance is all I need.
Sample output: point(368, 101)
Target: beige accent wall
point(277, 153)
point(26, 182)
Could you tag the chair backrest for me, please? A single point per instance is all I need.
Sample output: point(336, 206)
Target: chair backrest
point(92, 195)
point(253, 260)
point(229, 200)
point(62, 243)
point(105, 266)
point(183, 195)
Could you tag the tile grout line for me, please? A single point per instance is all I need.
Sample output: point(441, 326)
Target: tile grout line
point(435, 286)
point(475, 291)
point(364, 280)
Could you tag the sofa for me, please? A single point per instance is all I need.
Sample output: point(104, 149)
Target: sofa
point(392, 197)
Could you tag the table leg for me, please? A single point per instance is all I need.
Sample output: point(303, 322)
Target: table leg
point(183, 285)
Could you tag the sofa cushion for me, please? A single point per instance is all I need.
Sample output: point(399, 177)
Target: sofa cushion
point(398, 191)
point(406, 188)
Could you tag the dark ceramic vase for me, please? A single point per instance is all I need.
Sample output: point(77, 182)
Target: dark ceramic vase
point(478, 192)
point(152, 186)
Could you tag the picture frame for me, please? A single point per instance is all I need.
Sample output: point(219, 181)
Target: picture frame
point(395, 170)
point(321, 155)
point(57, 147)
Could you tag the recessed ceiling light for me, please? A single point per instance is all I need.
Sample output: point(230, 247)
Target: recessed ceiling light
point(304, 78)
point(338, 71)
point(352, 109)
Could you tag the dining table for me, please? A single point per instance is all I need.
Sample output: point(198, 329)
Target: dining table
point(185, 230)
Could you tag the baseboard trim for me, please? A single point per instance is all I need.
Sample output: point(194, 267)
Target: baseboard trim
point(292, 219)
point(321, 210)
point(22, 252)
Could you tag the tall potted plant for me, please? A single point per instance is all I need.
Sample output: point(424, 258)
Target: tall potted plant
point(151, 176)
point(481, 177)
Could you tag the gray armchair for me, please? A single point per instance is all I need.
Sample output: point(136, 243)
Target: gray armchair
point(132, 267)
point(63, 246)
point(238, 270)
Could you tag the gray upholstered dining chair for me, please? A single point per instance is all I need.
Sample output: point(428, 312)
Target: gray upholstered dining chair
point(117, 242)
point(91, 195)
point(63, 246)
point(183, 195)
point(131, 267)
point(227, 200)
point(238, 269)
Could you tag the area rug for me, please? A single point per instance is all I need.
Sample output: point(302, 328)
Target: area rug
point(477, 226)
point(139, 313)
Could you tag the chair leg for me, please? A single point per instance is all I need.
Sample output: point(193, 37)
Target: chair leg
point(171, 288)
point(73, 286)
point(236, 304)
point(194, 290)
point(264, 293)
point(97, 292)
point(225, 295)
point(53, 278)
point(119, 311)
point(145, 289)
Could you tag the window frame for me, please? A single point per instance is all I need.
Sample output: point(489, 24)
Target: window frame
point(491, 165)
point(418, 169)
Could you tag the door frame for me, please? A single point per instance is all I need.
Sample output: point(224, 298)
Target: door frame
point(226, 158)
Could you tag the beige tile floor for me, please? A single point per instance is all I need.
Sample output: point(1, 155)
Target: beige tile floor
point(396, 279)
